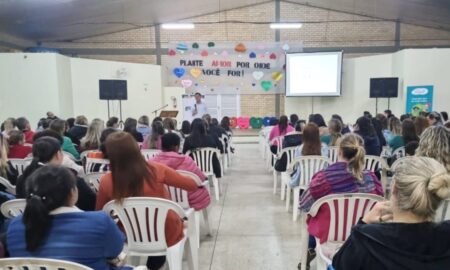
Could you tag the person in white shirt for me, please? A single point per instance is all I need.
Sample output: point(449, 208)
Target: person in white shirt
point(200, 107)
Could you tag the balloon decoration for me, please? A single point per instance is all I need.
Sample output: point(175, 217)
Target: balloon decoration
point(179, 72)
point(266, 85)
point(240, 48)
point(182, 47)
point(204, 53)
point(256, 122)
point(266, 121)
point(233, 122)
point(243, 122)
point(195, 45)
point(172, 53)
point(211, 44)
point(195, 72)
point(252, 55)
point(276, 76)
point(257, 75)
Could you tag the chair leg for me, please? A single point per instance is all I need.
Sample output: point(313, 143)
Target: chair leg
point(206, 221)
point(288, 197)
point(174, 256)
point(216, 187)
point(283, 188)
point(304, 240)
point(275, 180)
point(197, 227)
point(192, 254)
point(295, 204)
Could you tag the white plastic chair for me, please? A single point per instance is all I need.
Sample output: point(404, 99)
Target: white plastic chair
point(278, 141)
point(69, 155)
point(399, 152)
point(345, 211)
point(290, 155)
point(10, 188)
point(93, 180)
point(20, 164)
point(149, 153)
point(223, 140)
point(374, 163)
point(40, 264)
point(13, 208)
point(443, 212)
point(308, 165)
point(84, 155)
point(144, 220)
point(180, 196)
point(333, 153)
point(203, 157)
point(91, 162)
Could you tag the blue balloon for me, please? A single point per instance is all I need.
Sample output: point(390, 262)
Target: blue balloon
point(179, 72)
point(252, 55)
point(266, 121)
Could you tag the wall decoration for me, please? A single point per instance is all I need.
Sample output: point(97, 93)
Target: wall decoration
point(229, 67)
point(419, 99)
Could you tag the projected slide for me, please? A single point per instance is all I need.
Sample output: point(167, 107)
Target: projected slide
point(313, 74)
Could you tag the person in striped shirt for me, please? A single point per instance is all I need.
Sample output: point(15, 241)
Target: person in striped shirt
point(347, 175)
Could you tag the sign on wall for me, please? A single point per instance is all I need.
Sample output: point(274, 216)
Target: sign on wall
point(229, 68)
point(419, 99)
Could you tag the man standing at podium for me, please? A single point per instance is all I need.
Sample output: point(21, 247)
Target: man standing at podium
point(200, 107)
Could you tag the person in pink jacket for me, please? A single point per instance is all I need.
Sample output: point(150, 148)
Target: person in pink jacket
point(279, 130)
point(170, 143)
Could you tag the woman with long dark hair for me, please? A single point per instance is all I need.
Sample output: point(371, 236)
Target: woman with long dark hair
point(53, 227)
point(281, 129)
point(408, 135)
point(185, 128)
point(320, 122)
point(153, 141)
point(132, 176)
point(47, 151)
point(365, 129)
point(198, 139)
point(130, 126)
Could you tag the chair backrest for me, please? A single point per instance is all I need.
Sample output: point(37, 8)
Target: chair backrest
point(345, 211)
point(40, 264)
point(10, 188)
point(84, 154)
point(443, 212)
point(290, 156)
point(333, 153)
point(223, 139)
point(69, 155)
point(373, 163)
point(180, 196)
point(203, 157)
point(144, 221)
point(20, 164)
point(278, 141)
point(13, 208)
point(93, 179)
point(92, 162)
point(150, 153)
point(310, 165)
point(399, 152)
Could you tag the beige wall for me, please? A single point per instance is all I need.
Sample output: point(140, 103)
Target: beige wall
point(332, 29)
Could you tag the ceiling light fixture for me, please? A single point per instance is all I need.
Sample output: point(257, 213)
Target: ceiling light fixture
point(177, 26)
point(286, 25)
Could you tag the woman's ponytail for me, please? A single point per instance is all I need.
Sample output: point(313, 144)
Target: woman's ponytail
point(37, 221)
point(352, 149)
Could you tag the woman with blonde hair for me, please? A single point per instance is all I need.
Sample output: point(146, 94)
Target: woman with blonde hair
point(435, 143)
point(7, 171)
point(410, 239)
point(347, 175)
point(92, 139)
point(7, 126)
point(334, 133)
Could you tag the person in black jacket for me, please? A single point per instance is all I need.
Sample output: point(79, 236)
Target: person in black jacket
point(130, 126)
point(365, 129)
point(47, 150)
point(79, 129)
point(214, 131)
point(401, 234)
point(198, 139)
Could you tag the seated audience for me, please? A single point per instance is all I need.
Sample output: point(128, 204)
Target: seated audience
point(225, 124)
point(279, 130)
point(170, 126)
point(408, 134)
point(410, 148)
point(435, 119)
point(388, 114)
point(132, 176)
point(345, 127)
point(365, 129)
point(420, 123)
point(294, 138)
point(198, 139)
point(379, 131)
point(170, 157)
point(47, 151)
point(79, 129)
point(43, 124)
point(394, 129)
point(401, 233)
point(403, 117)
point(320, 122)
point(92, 139)
point(215, 131)
point(7, 170)
point(70, 122)
point(130, 126)
point(347, 175)
point(113, 122)
point(293, 118)
point(334, 133)
point(154, 140)
point(51, 116)
point(185, 128)
point(143, 126)
point(53, 227)
point(311, 146)
point(17, 149)
point(7, 126)
point(59, 126)
point(23, 125)
point(435, 143)
point(383, 120)
point(101, 153)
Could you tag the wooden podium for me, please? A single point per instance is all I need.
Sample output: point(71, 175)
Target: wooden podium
point(168, 114)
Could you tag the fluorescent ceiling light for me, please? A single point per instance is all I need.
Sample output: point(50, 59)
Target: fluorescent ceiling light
point(178, 26)
point(286, 25)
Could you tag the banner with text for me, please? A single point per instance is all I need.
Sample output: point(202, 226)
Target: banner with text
point(419, 99)
point(229, 67)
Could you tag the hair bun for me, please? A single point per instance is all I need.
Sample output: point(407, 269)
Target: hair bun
point(440, 185)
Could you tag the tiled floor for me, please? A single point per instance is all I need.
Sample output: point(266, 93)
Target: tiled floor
point(251, 229)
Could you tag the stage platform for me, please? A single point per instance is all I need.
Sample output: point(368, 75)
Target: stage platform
point(245, 135)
